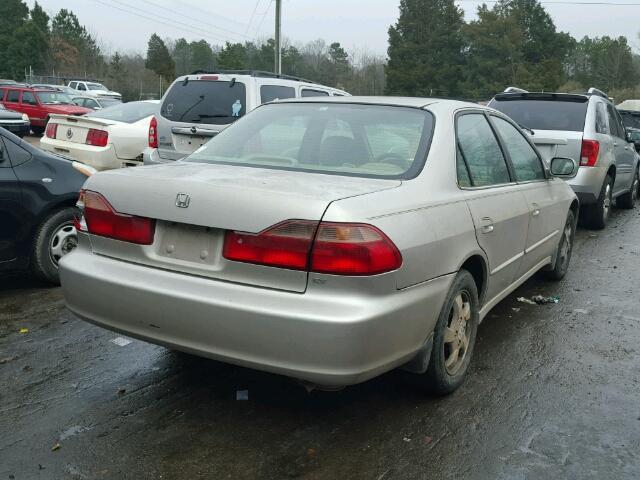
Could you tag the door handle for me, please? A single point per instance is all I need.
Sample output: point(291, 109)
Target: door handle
point(615, 144)
point(488, 225)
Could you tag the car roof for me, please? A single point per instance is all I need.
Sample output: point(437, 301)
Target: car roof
point(415, 102)
point(543, 96)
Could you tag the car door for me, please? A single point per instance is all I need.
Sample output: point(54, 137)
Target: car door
point(30, 104)
point(10, 207)
point(12, 100)
point(544, 196)
point(497, 205)
point(623, 153)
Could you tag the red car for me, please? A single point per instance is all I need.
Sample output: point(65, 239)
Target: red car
point(38, 104)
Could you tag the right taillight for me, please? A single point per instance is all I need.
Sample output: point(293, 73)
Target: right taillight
point(589, 153)
point(328, 247)
point(98, 217)
point(153, 133)
point(51, 130)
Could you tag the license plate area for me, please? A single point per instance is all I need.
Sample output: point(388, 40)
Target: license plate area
point(190, 243)
point(190, 143)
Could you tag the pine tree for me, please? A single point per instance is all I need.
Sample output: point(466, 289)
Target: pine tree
point(426, 49)
point(159, 59)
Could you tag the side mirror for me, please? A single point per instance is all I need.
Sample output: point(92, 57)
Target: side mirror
point(563, 167)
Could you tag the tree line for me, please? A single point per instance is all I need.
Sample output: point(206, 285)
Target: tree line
point(432, 51)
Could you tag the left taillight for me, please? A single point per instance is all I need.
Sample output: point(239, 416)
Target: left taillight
point(51, 130)
point(98, 217)
point(97, 138)
point(335, 248)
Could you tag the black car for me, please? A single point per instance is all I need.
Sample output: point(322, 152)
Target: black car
point(15, 122)
point(38, 193)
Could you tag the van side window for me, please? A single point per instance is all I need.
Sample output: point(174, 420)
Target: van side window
point(601, 122)
point(480, 151)
point(268, 93)
point(307, 92)
point(13, 96)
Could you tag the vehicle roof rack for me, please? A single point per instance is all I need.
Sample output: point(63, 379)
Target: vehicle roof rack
point(595, 91)
point(254, 73)
point(514, 90)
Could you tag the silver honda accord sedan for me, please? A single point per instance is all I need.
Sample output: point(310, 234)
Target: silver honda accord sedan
point(329, 240)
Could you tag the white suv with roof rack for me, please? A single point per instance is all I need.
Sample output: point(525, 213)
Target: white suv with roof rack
point(587, 128)
point(197, 107)
point(93, 89)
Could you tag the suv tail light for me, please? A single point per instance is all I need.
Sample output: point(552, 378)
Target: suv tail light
point(153, 133)
point(589, 153)
point(334, 248)
point(51, 131)
point(99, 218)
point(97, 138)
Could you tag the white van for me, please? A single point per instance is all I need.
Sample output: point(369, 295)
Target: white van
point(197, 107)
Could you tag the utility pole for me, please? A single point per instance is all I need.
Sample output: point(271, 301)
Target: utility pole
point(278, 59)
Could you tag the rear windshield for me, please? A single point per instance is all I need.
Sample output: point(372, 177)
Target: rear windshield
point(343, 139)
point(126, 112)
point(108, 102)
point(630, 119)
point(538, 114)
point(199, 101)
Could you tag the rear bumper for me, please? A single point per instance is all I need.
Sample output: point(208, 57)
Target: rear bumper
point(150, 156)
point(588, 183)
point(326, 338)
point(100, 158)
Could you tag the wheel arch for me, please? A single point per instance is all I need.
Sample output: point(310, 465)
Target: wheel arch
point(476, 265)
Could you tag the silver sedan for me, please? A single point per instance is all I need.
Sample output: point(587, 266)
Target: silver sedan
point(329, 240)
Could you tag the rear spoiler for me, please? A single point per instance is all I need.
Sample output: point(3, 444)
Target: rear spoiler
point(562, 97)
point(79, 118)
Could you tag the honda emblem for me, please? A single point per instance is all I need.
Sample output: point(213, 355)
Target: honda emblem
point(182, 200)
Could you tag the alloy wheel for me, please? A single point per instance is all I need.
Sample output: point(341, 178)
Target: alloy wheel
point(457, 334)
point(606, 204)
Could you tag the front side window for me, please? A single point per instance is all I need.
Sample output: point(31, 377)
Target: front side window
point(269, 93)
point(81, 86)
point(526, 164)
point(203, 101)
point(307, 92)
point(480, 151)
point(343, 139)
point(28, 98)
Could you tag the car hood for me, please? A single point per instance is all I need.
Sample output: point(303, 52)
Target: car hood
point(10, 115)
point(68, 109)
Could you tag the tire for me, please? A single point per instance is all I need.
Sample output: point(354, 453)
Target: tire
point(565, 248)
point(441, 378)
point(55, 238)
point(37, 130)
point(596, 215)
point(628, 200)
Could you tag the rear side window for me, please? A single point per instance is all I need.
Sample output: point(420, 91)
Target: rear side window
point(480, 152)
point(601, 119)
point(200, 101)
point(614, 126)
point(306, 92)
point(269, 93)
point(526, 164)
point(126, 112)
point(541, 114)
point(13, 96)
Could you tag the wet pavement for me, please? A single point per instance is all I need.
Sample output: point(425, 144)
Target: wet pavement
point(554, 392)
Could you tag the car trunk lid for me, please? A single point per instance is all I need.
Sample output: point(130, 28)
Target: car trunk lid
point(74, 129)
point(557, 143)
point(195, 204)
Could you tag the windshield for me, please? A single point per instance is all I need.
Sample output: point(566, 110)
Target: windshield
point(96, 86)
point(630, 119)
point(199, 101)
point(565, 115)
point(345, 139)
point(54, 98)
point(108, 102)
point(126, 112)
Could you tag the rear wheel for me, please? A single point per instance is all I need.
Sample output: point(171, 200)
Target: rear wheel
point(454, 336)
point(628, 200)
point(37, 130)
point(565, 247)
point(597, 215)
point(55, 238)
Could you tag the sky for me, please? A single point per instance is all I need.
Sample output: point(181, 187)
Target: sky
point(361, 25)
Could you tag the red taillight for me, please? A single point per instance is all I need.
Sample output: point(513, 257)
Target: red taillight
point(99, 218)
point(97, 138)
point(589, 153)
point(338, 248)
point(51, 130)
point(153, 133)
point(209, 77)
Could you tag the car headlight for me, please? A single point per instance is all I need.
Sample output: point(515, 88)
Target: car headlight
point(25, 117)
point(84, 169)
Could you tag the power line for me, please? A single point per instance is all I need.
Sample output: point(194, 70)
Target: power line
point(196, 19)
point(252, 15)
point(264, 15)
